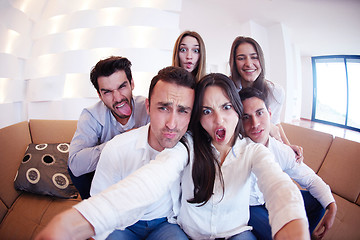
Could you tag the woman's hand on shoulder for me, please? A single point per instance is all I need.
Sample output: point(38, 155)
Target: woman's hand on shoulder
point(299, 151)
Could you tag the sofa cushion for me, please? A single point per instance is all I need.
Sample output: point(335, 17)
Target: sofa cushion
point(30, 213)
point(346, 220)
point(44, 171)
point(341, 168)
point(315, 144)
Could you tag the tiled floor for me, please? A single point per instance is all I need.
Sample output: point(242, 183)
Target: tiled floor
point(336, 131)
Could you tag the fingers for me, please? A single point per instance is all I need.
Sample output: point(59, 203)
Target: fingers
point(299, 150)
point(318, 233)
point(299, 159)
point(299, 153)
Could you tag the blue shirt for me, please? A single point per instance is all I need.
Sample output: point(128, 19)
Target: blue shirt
point(95, 127)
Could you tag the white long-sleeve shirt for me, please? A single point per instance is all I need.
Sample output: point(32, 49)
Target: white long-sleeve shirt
point(276, 100)
point(299, 172)
point(123, 155)
point(122, 203)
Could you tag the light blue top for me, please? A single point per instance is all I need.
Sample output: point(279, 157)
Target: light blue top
point(95, 127)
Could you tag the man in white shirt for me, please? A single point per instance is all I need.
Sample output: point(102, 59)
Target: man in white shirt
point(256, 121)
point(171, 97)
point(169, 105)
point(116, 112)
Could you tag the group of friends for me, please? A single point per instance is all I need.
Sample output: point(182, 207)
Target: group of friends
point(203, 157)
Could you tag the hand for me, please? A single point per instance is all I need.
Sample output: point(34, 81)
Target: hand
point(68, 225)
point(299, 153)
point(326, 223)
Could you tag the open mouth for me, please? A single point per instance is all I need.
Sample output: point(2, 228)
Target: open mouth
point(220, 134)
point(121, 104)
point(124, 108)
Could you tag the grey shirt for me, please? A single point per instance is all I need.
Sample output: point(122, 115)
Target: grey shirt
point(95, 127)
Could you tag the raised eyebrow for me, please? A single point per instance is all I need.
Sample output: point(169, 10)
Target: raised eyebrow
point(227, 103)
point(260, 109)
point(184, 45)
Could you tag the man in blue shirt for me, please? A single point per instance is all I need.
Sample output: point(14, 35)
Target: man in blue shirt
point(116, 112)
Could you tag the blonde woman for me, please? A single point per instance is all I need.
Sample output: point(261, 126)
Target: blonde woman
point(189, 53)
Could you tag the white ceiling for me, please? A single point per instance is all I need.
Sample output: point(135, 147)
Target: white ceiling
point(317, 27)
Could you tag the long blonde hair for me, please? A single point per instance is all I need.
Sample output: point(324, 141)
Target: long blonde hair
point(200, 69)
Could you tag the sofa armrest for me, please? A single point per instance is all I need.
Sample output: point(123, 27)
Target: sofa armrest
point(14, 140)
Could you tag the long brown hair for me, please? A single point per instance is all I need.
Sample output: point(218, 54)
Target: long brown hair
point(260, 83)
point(200, 69)
point(205, 163)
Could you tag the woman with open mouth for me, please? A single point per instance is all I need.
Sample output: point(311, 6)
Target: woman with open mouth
point(215, 183)
point(190, 54)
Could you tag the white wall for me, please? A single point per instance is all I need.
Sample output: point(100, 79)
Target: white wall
point(47, 47)
point(282, 60)
point(307, 86)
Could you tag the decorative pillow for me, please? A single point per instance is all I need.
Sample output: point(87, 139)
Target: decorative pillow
point(44, 171)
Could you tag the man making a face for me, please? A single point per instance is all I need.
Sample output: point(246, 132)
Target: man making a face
point(170, 102)
point(117, 112)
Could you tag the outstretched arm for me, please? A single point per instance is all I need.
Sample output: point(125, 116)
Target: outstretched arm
point(123, 203)
point(296, 229)
point(283, 199)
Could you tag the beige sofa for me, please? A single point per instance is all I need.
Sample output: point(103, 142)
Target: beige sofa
point(337, 162)
point(23, 215)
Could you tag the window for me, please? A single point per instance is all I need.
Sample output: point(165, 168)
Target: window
point(337, 91)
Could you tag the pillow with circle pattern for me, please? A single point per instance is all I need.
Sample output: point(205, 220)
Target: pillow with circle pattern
point(44, 171)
